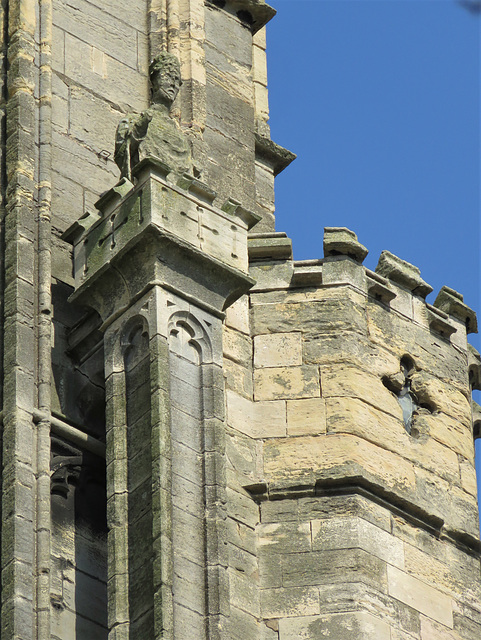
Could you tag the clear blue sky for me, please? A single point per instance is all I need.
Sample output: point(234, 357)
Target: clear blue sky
point(380, 99)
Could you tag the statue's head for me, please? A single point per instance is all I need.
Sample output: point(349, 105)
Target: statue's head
point(165, 78)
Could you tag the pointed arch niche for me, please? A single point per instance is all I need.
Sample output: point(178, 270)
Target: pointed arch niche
point(136, 361)
point(190, 356)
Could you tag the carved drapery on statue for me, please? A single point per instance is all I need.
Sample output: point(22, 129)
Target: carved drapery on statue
point(154, 133)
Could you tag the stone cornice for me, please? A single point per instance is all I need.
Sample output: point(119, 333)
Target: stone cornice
point(275, 155)
point(255, 13)
point(160, 232)
point(431, 523)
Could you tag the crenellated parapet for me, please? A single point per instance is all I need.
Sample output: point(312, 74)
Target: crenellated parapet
point(395, 283)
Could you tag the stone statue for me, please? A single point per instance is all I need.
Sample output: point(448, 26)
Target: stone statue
point(153, 133)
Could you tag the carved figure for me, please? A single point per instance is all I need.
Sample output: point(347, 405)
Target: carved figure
point(154, 133)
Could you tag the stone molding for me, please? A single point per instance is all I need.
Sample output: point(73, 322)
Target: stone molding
point(157, 232)
point(254, 13)
point(411, 512)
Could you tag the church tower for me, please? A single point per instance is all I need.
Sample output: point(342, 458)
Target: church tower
point(202, 437)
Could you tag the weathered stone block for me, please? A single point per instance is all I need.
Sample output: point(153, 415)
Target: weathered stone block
point(306, 417)
point(244, 592)
point(460, 512)
point(88, 22)
point(450, 573)
point(286, 382)
point(280, 511)
point(227, 33)
point(269, 275)
point(465, 624)
point(187, 430)
point(241, 535)
point(278, 350)
point(60, 117)
point(241, 507)
point(350, 415)
point(443, 396)
point(347, 381)
point(190, 578)
point(289, 602)
point(226, 165)
point(237, 346)
point(58, 50)
point(17, 581)
point(420, 596)
point(256, 419)
point(348, 533)
point(305, 459)
point(241, 625)
point(130, 95)
point(357, 596)
point(237, 315)
point(280, 538)
point(260, 65)
point(238, 378)
point(450, 432)
point(431, 630)
point(361, 625)
point(468, 477)
point(343, 270)
point(338, 311)
point(229, 115)
point(333, 566)
point(85, 112)
point(243, 455)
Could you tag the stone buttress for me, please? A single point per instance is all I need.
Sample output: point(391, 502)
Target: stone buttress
point(152, 267)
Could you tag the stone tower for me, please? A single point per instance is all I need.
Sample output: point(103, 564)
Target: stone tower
point(203, 438)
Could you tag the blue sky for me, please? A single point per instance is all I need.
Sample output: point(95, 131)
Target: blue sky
point(380, 99)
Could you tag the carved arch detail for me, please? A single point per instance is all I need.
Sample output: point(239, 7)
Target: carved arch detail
point(137, 325)
point(183, 324)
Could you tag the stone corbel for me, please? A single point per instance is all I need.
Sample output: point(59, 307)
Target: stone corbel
point(65, 467)
point(255, 13)
point(269, 246)
point(438, 321)
point(378, 287)
point(235, 209)
point(273, 154)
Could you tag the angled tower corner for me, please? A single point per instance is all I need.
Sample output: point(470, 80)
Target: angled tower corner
point(202, 437)
point(362, 405)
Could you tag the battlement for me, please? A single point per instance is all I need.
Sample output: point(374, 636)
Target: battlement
point(395, 283)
